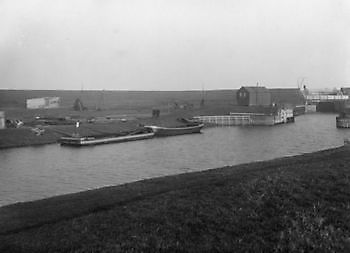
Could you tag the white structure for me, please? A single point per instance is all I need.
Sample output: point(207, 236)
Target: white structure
point(325, 98)
point(2, 120)
point(43, 103)
point(283, 116)
point(241, 119)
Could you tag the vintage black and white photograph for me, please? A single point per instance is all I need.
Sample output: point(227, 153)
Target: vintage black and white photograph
point(174, 126)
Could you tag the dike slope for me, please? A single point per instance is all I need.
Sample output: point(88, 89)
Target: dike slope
point(295, 204)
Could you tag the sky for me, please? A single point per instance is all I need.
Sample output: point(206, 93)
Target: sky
point(173, 44)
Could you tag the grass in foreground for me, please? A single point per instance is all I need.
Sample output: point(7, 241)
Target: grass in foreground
point(301, 205)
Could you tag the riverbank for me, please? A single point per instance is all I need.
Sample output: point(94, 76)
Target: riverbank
point(288, 204)
point(25, 136)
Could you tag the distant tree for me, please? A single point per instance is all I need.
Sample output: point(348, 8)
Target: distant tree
point(78, 105)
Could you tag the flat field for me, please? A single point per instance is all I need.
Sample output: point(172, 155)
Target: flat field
point(118, 100)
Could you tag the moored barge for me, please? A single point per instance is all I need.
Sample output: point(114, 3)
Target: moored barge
point(77, 140)
point(170, 131)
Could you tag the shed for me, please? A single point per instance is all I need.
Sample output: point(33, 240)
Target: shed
point(253, 95)
point(43, 103)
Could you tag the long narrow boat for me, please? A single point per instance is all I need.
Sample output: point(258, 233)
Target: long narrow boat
point(95, 140)
point(169, 131)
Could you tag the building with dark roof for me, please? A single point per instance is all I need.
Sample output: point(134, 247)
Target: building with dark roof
point(285, 97)
point(253, 95)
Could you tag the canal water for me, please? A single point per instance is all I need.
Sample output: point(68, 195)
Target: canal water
point(31, 173)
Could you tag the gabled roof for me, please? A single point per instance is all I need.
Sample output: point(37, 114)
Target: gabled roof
point(287, 96)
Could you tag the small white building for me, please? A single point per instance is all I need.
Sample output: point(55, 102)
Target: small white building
point(284, 116)
point(2, 120)
point(43, 103)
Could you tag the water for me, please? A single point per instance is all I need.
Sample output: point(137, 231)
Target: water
point(31, 173)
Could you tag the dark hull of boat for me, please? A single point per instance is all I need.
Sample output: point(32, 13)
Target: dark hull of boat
point(167, 131)
point(88, 141)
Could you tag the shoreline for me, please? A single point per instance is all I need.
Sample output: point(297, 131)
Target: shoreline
point(262, 205)
point(27, 145)
point(128, 192)
point(25, 137)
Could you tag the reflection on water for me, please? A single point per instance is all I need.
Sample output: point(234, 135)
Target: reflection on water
point(36, 172)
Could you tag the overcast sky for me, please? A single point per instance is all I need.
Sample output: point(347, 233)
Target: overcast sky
point(173, 45)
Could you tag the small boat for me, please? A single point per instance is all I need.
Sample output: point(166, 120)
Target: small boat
point(77, 140)
point(169, 131)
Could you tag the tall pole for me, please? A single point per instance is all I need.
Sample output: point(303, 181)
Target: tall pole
point(256, 94)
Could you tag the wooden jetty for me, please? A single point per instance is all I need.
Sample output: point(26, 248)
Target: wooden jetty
point(244, 119)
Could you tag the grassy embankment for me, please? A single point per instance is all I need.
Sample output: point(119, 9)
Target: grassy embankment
point(118, 100)
point(295, 204)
